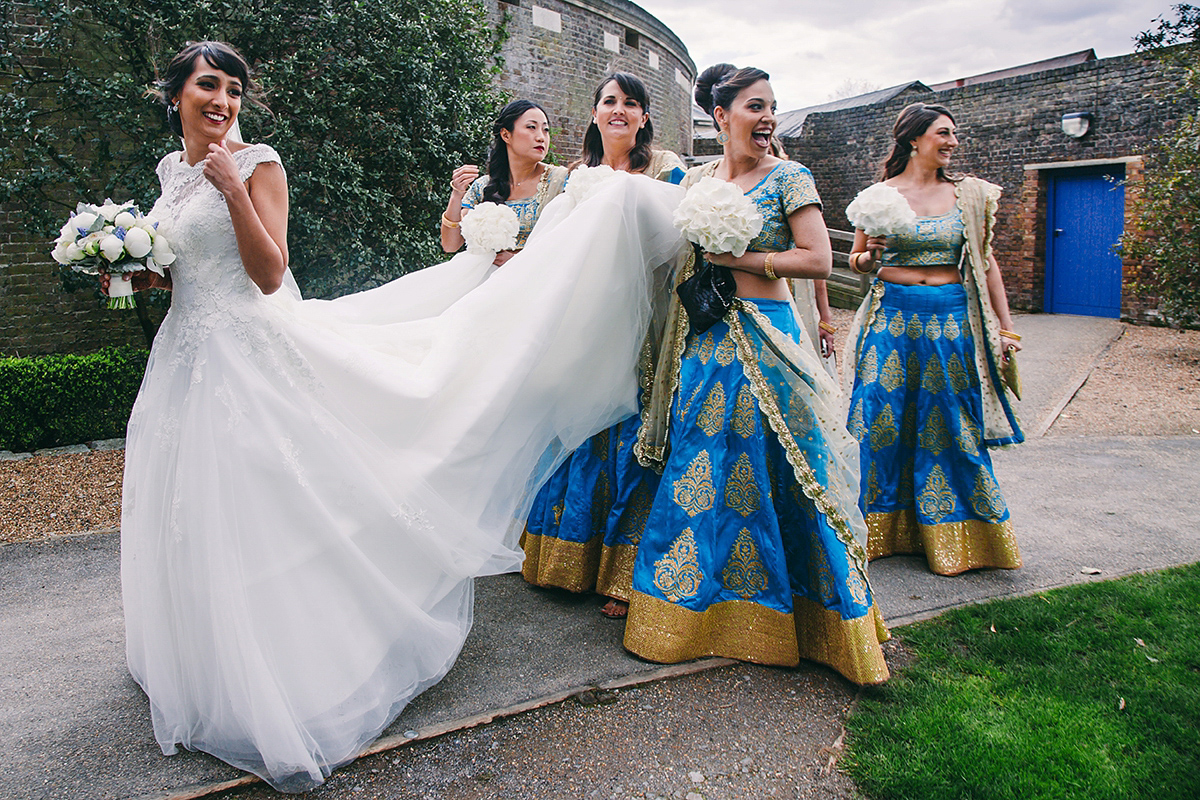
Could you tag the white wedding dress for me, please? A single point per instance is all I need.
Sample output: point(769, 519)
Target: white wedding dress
point(310, 486)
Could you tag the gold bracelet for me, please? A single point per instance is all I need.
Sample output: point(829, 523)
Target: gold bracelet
point(854, 260)
point(825, 326)
point(449, 223)
point(1014, 336)
point(767, 268)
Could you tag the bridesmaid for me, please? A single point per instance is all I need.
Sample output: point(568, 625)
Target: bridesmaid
point(931, 342)
point(585, 523)
point(754, 544)
point(516, 176)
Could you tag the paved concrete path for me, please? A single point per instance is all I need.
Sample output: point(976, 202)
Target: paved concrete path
point(74, 724)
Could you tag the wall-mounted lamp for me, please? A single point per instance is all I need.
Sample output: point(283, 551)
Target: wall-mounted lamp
point(1077, 124)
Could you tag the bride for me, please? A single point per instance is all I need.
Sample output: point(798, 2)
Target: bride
point(310, 486)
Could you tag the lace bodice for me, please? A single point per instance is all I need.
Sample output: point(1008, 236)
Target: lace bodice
point(207, 273)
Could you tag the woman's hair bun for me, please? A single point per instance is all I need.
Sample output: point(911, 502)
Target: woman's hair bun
point(708, 79)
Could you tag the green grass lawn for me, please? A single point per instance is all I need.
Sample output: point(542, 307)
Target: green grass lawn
point(1091, 692)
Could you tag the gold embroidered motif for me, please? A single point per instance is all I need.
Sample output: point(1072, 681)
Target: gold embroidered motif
point(705, 350)
point(934, 379)
point(905, 490)
point(744, 413)
point(868, 370)
point(986, 499)
point(558, 512)
point(725, 351)
point(712, 413)
point(912, 372)
point(915, 329)
point(892, 377)
point(950, 329)
point(800, 417)
point(956, 373)
point(883, 429)
point(694, 491)
point(741, 490)
point(601, 503)
point(745, 572)
point(896, 326)
point(935, 436)
point(633, 519)
point(873, 492)
point(933, 330)
point(857, 425)
point(600, 445)
point(908, 426)
point(937, 500)
point(685, 408)
point(968, 437)
point(677, 574)
point(880, 323)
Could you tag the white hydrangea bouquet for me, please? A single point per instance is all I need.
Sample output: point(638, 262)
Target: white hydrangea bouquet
point(880, 210)
point(585, 180)
point(114, 238)
point(718, 216)
point(490, 228)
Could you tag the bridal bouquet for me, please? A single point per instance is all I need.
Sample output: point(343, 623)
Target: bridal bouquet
point(490, 228)
point(585, 180)
point(113, 238)
point(718, 216)
point(880, 210)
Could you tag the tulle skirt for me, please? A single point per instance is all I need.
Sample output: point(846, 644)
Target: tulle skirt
point(927, 480)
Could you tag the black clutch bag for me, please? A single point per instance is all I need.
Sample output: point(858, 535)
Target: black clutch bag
point(707, 295)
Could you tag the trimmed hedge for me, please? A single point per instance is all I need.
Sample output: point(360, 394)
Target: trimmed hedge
point(50, 401)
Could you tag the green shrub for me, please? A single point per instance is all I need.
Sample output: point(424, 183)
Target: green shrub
point(49, 401)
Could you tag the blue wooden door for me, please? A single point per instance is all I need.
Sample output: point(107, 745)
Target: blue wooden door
point(1085, 217)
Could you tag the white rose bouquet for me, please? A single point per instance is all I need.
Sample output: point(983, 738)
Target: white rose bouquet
point(113, 238)
point(490, 228)
point(880, 210)
point(585, 180)
point(718, 216)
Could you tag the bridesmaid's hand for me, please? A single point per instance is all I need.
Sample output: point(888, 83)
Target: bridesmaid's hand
point(503, 256)
point(462, 179)
point(142, 280)
point(828, 342)
point(721, 259)
point(875, 247)
point(221, 170)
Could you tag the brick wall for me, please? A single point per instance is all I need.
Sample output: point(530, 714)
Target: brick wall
point(560, 68)
point(1005, 127)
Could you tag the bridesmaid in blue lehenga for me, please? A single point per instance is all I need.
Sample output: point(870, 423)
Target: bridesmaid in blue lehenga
point(586, 521)
point(932, 340)
point(754, 545)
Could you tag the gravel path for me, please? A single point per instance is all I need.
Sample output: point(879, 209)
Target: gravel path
point(1148, 384)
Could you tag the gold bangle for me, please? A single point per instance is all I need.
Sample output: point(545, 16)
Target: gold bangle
point(825, 326)
point(854, 260)
point(449, 223)
point(1014, 336)
point(768, 269)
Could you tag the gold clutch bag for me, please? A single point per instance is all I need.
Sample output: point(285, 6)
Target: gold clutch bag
point(1010, 375)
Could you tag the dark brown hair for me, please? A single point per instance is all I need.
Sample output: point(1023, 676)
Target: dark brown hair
point(593, 145)
point(913, 121)
point(218, 55)
point(719, 85)
point(499, 172)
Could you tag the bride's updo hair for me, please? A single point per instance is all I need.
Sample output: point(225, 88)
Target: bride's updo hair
point(593, 145)
point(913, 121)
point(499, 176)
point(218, 55)
point(720, 84)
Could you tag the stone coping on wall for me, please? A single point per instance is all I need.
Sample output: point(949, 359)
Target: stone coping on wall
point(1085, 162)
point(67, 450)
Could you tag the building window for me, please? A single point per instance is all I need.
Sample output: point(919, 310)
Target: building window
point(653, 56)
point(545, 18)
point(612, 42)
point(682, 80)
point(631, 38)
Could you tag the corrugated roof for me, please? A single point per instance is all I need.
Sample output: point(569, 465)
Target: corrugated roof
point(1069, 60)
point(790, 122)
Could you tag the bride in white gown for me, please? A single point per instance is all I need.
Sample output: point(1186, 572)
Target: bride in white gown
point(310, 486)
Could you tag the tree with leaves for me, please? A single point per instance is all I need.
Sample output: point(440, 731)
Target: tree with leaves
point(373, 103)
point(1164, 230)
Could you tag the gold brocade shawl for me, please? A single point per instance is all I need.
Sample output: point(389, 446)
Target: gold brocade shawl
point(978, 200)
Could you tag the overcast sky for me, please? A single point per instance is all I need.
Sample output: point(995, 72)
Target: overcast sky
point(812, 48)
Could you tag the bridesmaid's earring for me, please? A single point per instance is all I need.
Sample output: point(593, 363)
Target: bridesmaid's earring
point(722, 138)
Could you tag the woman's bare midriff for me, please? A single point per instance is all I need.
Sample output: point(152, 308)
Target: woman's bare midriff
point(751, 286)
point(933, 275)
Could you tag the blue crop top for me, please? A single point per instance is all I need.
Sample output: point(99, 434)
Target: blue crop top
point(935, 241)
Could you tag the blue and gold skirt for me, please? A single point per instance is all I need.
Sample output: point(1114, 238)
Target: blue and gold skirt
point(746, 552)
point(586, 520)
point(917, 412)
